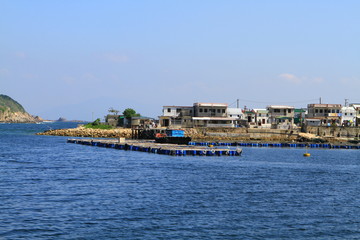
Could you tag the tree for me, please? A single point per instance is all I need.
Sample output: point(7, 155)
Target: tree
point(114, 111)
point(129, 112)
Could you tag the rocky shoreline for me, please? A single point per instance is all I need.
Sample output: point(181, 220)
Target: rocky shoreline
point(89, 132)
point(18, 117)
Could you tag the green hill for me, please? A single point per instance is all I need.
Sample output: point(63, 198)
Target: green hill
point(7, 102)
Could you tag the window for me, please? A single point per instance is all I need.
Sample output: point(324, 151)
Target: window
point(350, 114)
point(178, 110)
point(345, 114)
point(289, 110)
point(223, 111)
point(316, 111)
point(200, 110)
point(169, 109)
point(338, 111)
point(276, 110)
point(321, 111)
point(259, 114)
point(218, 111)
point(333, 111)
point(205, 110)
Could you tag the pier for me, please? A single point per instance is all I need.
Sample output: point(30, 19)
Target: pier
point(150, 146)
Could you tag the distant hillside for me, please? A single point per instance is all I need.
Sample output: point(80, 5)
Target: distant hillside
point(12, 112)
point(7, 103)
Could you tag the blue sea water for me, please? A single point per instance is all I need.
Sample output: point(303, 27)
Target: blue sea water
point(50, 189)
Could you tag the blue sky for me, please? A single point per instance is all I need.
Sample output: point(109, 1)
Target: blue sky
point(77, 59)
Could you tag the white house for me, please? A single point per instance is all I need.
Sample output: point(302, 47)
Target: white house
point(235, 113)
point(262, 118)
point(348, 116)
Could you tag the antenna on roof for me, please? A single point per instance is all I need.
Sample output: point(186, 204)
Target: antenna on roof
point(320, 100)
point(237, 103)
point(346, 102)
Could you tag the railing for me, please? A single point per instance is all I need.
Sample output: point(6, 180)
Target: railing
point(220, 125)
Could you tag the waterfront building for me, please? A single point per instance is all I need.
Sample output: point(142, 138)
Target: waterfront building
point(200, 115)
point(238, 114)
point(176, 116)
point(299, 115)
point(212, 115)
point(281, 116)
point(116, 120)
point(325, 114)
point(356, 106)
point(262, 118)
point(250, 117)
point(348, 116)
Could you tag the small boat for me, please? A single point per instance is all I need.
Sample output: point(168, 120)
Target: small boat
point(172, 136)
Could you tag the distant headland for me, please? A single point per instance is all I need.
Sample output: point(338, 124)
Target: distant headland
point(13, 112)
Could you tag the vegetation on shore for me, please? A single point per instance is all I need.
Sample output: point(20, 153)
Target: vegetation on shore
point(7, 103)
point(97, 125)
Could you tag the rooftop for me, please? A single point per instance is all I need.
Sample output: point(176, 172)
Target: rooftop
point(211, 104)
point(280, 107)
point(318, 105)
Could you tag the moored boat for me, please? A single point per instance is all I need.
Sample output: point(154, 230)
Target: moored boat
point(174, 136)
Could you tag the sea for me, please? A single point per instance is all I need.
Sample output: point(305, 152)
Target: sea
point(50, 189)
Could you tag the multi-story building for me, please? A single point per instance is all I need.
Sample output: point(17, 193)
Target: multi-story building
point(348, 116)
point(325, 114)
point(199, 115)
point(356, 106)
point(281, 116)
point(238, 114)
point(262, 118)
point(176, 116)
point(212, 115)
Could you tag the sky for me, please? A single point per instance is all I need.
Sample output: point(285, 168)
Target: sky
point(78, 59)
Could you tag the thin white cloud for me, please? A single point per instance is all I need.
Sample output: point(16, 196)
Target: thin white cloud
point(69, 80)
point(290, 78)
point(116, 58)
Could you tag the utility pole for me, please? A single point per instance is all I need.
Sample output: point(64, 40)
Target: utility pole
point(320, 100)
point(237, 103)
point(346, 102)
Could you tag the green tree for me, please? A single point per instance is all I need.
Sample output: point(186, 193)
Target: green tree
point(129, 112)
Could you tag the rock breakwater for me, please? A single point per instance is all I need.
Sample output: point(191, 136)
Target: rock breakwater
point(89, 132)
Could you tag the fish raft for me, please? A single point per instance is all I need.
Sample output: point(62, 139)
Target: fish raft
point(159, 148)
